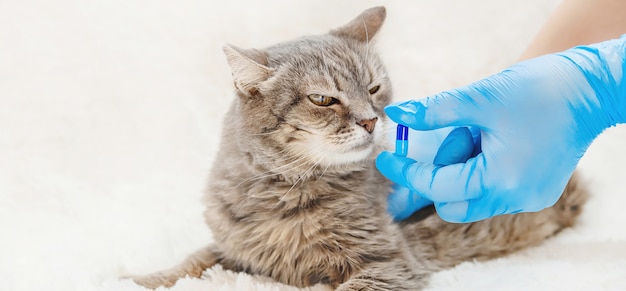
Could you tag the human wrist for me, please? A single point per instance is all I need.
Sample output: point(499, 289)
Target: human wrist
point(604, 67)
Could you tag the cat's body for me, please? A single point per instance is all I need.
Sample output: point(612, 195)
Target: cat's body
point(294, 194)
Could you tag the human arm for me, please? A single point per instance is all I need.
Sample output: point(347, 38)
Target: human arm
point(578, 22)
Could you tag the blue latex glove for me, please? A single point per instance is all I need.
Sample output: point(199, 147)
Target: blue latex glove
point(537, 119)
point(458, 145)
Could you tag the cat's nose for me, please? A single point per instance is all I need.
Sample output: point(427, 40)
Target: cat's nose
point(368, 124)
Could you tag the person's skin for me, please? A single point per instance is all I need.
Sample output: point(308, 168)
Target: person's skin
point(578, 22)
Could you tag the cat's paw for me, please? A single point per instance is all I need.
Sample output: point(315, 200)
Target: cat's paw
point(154, 281)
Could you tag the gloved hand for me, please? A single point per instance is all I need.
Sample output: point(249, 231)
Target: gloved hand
point(444, 146)
point(536, 118)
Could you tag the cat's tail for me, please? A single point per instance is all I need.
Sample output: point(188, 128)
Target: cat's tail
point(448, 244)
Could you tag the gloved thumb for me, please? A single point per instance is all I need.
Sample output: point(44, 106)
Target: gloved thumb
point(451, 108)
point(457, 147)
point(456, 182)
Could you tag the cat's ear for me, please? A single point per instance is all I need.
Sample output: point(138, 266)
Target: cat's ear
point(249, 68)
point(364, 26)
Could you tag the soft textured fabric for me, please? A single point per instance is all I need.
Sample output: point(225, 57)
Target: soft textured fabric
point(110, 114)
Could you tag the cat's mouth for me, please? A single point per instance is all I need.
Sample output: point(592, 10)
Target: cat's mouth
point(327, 153)
point(362, 145)
point(356, 151)
point(356, 154)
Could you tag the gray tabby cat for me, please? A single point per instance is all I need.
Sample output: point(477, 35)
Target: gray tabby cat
point(294, 194)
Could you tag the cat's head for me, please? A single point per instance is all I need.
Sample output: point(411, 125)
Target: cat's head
point(315, 102)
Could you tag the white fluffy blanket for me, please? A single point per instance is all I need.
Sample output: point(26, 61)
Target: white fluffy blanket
point(110, 115)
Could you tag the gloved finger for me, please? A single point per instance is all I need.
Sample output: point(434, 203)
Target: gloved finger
point(476, 140)
point(402, 202)
point(453, 212)
point(479, 209)
point(457, 147)
point(465, 211)
point(457, 182)
point(392, 165)
point(451, 108)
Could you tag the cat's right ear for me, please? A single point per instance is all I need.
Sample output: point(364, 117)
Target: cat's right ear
point(365, 26)
point(249, 68)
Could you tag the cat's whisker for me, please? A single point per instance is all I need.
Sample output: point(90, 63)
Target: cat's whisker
point(324, 171)
point(338, 135)
point(278, 160)
point(262, 134)
point(306, 173)
point(283, 155)
point(263, 175)
point(322, 153)
point(299, 162)
point(292, 186)
point(279, 157)
point(271, 172)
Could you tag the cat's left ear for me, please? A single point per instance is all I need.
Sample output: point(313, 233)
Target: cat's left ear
point(249, 68)
point(364, 26)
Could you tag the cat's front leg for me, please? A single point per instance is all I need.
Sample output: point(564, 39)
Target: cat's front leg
point(193, 267)
point(394, 275)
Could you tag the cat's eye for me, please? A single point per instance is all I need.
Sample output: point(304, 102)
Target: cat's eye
point(374, 89)
point(321, 100)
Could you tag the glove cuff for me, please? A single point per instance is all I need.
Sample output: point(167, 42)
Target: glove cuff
point(604, 67)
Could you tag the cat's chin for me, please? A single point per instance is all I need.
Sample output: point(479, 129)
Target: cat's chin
point(350, 157)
